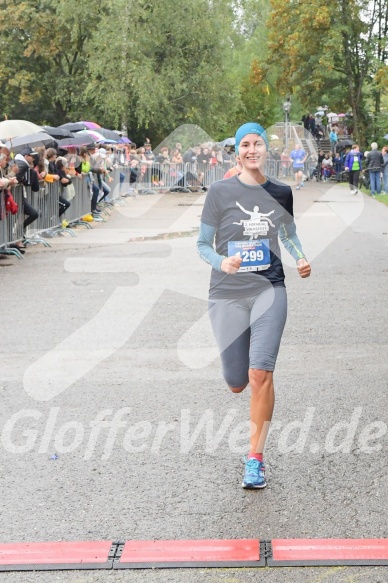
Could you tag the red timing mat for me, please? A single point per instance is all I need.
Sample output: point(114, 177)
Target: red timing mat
point(190, 553)
point(55, 554)
point(329, 551)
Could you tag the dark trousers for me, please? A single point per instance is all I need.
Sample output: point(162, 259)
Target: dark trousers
point(354, 177)
point(32, 214)
point(95, 193)
point(106, 191)
point(63, 205)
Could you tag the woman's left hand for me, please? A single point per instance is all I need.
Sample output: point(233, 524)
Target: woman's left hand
point(304, 268)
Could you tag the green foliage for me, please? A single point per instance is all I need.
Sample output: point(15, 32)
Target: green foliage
point(153, 66)
point(331, 48)
point(44, 59)
point(164, 66)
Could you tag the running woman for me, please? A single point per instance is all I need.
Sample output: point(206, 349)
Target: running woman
point(244, 216)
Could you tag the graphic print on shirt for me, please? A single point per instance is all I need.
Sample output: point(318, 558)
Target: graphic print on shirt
point(258, 224)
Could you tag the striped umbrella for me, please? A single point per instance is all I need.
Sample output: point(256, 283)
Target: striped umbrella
point(91, 125)
point(97, 137)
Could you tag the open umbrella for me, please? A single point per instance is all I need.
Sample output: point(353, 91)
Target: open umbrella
point(385, 137)
point(125, 140)
point(228, 142)
point(97, 137)
point(78, 140)
point(14, 128)
point(33, 140)
point(342, 115)
point(344, 143)
point(319, 113)
point(109, 134)
point(331, 114)
point(59, 133)
point(91, 125)
point(73, 126)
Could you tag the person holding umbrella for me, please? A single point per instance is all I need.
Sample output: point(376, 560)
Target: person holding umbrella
point(5, 180)
point(27, 176)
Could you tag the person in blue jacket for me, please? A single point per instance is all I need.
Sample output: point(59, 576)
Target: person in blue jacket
point(333, 140)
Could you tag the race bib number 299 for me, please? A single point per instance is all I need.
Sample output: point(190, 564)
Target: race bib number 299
point(255, 254)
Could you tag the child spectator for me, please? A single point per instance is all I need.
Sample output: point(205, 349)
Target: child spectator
point(327, 165)
point(337, 166)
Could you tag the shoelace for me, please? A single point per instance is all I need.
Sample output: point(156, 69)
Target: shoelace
point(252, 465)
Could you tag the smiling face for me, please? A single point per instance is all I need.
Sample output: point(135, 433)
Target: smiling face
point(252, 152)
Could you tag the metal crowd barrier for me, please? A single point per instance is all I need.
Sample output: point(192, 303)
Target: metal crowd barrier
point(3, 224)
point(117, 185)
point(150, 178)
point(79, 203)
point(156, 177)
point(163, 176)
point(11, 226)
point(46, 202)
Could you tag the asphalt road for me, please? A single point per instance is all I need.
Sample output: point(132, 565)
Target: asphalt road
point(107, 362)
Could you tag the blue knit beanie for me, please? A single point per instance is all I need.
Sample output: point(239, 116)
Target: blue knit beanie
point(250, 128)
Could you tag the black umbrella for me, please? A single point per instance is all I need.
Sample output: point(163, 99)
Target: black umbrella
point(109, 134)
point(73, 126)
point(344, 144)
point(82, 140)
point(58, 132)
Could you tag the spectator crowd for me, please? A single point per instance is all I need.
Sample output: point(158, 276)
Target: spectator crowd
point(139, 167)
point(143, 169)
point(368, 168)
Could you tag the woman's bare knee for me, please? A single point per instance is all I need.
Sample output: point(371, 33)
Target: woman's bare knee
point(258, 377)
point(237, 389)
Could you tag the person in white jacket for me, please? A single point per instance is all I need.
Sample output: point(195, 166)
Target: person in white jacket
point(327, 166)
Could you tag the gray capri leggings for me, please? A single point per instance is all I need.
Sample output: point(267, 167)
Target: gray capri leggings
point(248, 332)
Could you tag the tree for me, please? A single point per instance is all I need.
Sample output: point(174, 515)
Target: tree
point(259, 98)
point(44, 58)
point(323, 46)
point(163, 66)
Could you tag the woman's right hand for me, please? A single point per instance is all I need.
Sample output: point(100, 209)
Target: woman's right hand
point(231, 265)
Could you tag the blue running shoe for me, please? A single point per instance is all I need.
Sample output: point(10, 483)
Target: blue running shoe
point(254, 476)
